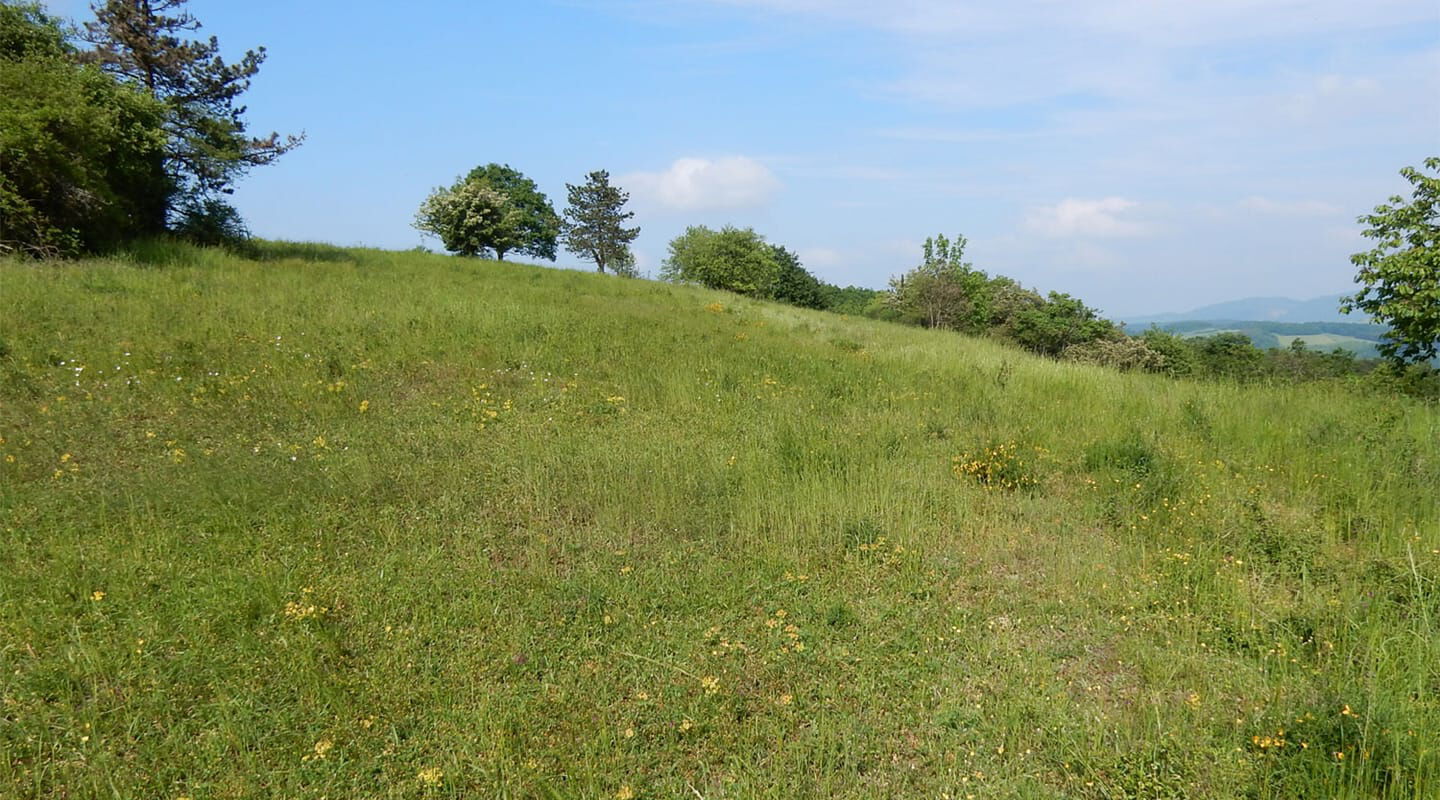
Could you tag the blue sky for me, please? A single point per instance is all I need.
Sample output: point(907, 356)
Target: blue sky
point(1146, 156)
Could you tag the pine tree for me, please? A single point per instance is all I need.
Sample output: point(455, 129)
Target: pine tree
point(595, 224)
point(142, 42)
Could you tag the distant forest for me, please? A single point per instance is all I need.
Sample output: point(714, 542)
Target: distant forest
point(1360, 338)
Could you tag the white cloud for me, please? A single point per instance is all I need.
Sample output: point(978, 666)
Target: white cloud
point(702, 184)
point(1291, 208)
point(1074, 217)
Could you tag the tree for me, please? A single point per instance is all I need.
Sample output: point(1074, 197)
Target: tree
point(944, 291)
point(78, 151)
point(539, 225)
point(141, 43)
point(1063, 321)
point(1228, 355)
point(734, 259)
point(594, 226)
point(1400, 277)
point(471, 219)
point(795, 285)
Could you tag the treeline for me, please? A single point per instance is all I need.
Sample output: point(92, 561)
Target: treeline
point(947, 292)
point(122, 129)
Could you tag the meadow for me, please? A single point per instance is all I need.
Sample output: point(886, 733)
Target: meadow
point(350, 523)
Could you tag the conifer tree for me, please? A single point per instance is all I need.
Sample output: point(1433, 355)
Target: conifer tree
point(143, 43)
point(595, 224)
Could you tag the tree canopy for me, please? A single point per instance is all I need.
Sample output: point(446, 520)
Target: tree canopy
point(472, 219)
point(143, 43)
point(794, 284)
point(538, 226)
point(79, 152)
point(1400, 276)
point(735, 259)
point(137, 135)
point(594, 226)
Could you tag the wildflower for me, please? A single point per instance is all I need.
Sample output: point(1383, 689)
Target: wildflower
point(625, 793)
point(364, 406)
point(686, 725)
point(97, 595)
point(711, 684)
point(629, 733)
point(1346, 712)
point(431, 776)
point(320, 751)
point(786, 699)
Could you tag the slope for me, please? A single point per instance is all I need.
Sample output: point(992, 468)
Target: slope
point(353, 523)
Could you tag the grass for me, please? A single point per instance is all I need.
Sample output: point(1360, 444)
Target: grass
point(351, 523)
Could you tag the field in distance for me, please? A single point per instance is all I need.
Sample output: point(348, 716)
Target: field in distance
point(353, 523)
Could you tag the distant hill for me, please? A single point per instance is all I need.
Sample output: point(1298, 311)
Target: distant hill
point(1260, 309)
point(1357, 337)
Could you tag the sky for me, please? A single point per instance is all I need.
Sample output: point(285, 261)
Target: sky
point(1145, 156)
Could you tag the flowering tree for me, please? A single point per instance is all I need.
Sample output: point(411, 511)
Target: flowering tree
point(471, 219)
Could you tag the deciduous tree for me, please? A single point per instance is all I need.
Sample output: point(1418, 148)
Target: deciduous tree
point(471, 219)
point(734, 259)
point(79, 152)
point(1400, 277)
point(794, 284)
point(538, 225)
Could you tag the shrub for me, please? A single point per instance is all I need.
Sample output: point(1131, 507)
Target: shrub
point(212, 222)
point(734, 259)
point(1123, 354)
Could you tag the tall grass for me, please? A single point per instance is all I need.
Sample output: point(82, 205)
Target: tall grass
point(354, 523)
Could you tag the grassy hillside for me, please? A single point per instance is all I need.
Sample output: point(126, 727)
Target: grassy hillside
point(367, 524)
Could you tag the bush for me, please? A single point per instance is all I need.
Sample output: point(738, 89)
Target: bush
point(1122, 354)
point(211, 222)
point(1178, 354)
point(81, 166)
point(734, 259)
